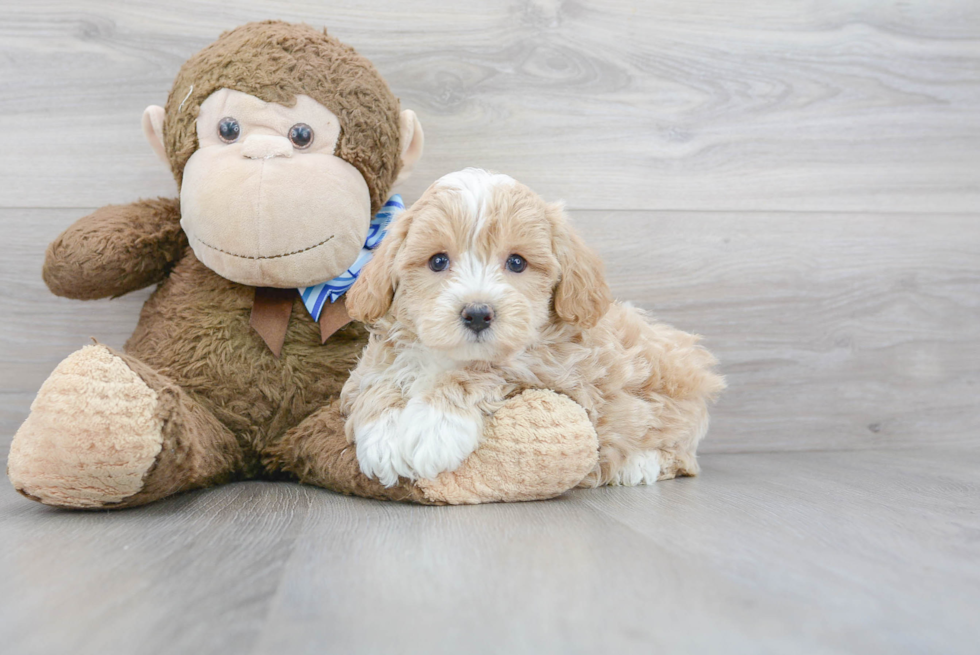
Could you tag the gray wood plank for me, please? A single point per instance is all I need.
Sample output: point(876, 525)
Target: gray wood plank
point(765, 553)
point(835, 330)
point(193, 574)
point(612, 105)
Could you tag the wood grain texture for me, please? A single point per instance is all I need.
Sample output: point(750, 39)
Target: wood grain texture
point(836, 331)
point(611, 104)
point(799, 182)
point(147, 581)
point(861, 552)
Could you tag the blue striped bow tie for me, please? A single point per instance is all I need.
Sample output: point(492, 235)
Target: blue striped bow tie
point(315, 297)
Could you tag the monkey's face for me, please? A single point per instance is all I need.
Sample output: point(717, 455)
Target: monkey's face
point(264, 199)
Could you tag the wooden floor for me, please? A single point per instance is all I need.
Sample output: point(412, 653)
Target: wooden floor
point(797, 181)
point(820, 552)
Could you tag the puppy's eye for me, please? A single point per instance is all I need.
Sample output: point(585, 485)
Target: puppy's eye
point(439, 262)
point(229, 129)
point(301, 135)
point(516, 263)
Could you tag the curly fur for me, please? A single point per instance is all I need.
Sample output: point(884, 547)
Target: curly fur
point(644, 385)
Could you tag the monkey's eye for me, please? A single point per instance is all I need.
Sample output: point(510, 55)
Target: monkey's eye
point(439, 262)
point(516, 264)
point(301, 135)
point(229, 129)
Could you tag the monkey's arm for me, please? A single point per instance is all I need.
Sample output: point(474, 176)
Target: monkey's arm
point(537, 445)
point(115, 250)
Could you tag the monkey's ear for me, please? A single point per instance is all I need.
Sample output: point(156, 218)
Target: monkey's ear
point(412, 141)
point(153, 131)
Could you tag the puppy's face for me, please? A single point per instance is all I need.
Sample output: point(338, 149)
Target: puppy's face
point(478, 266)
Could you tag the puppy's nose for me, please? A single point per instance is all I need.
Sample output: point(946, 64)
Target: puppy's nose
point(477, 317)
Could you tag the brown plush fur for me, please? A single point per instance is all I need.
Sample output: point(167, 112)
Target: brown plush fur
point(225, 399)
point(317, 452)
point(117, 249)
point(195, 331)
point(275, 62)
point(198, 451)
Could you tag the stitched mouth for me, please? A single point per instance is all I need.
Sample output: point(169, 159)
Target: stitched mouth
point(285, 254)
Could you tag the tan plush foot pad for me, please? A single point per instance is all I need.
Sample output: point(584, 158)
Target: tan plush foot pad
point(91, 436)
point(539, 445)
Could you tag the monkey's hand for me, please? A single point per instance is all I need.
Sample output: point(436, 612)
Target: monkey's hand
point(538, 445)
point(115, 250)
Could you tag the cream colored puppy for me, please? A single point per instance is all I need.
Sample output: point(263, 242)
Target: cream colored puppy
point(480, 290)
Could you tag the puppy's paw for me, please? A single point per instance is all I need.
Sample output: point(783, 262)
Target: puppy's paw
point(379, 451)
point(639, 468)
point(436, 440)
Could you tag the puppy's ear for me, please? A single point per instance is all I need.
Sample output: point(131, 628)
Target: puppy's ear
point(582, 295)
point(371, 296)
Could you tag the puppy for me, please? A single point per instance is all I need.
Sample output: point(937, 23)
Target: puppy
point(481, 290)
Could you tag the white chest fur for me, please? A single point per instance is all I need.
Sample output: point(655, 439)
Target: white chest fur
point(438, 426)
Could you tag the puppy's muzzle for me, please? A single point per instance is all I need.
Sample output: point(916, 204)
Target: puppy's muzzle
point(477, 317)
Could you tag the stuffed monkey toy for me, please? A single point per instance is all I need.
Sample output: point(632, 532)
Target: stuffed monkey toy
point(284, 144)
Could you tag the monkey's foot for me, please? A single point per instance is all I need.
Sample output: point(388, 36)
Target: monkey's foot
point(538, 445)
point(92, 435)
